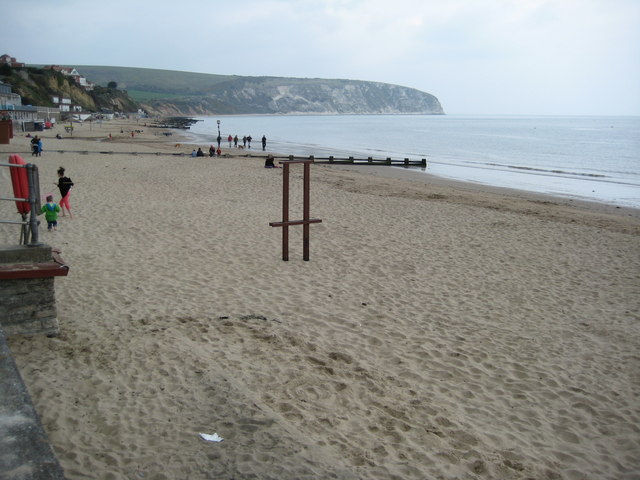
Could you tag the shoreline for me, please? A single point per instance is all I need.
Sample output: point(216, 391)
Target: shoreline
point(182, 141)
point(439, 330)
point(405, 174)
point(471, 187)
point(623, 194)
point(186, 137)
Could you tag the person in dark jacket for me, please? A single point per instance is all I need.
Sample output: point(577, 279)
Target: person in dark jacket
point(64, 185)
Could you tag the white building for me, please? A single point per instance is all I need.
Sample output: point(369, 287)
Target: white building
point(64, 104)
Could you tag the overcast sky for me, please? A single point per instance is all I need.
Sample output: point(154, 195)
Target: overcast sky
point(477, 56)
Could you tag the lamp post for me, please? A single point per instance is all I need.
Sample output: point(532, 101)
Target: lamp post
point(218, 127)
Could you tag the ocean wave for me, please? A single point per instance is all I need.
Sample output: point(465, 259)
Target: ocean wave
point(544, 170)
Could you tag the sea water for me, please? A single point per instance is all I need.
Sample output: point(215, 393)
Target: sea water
point(592, 158)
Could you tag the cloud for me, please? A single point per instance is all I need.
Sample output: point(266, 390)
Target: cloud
point(479, 56)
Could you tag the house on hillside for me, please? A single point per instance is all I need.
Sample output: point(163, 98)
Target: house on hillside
point(64, 104)
point(73, 73)
point(11, 61)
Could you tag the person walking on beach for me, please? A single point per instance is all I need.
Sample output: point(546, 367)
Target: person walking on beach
point(230, 140)
point(249, 140)
point(264, 142)
point(235, 141)
point(244, 142)
point(51, 210)
point(64, 185)
point(34, 146)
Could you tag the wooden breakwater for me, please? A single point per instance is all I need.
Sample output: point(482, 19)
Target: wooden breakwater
point(405, 162)
point(331, 160)
point(182, 123)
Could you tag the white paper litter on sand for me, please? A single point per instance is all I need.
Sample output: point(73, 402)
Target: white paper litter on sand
point(211, 438)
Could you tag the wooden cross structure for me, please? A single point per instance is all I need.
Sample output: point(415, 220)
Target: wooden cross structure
point(306, 221)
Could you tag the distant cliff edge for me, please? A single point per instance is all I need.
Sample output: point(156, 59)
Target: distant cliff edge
point(167, 92)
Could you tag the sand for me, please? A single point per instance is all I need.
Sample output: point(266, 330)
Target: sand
point(439, 330)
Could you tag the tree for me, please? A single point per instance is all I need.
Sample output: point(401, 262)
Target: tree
point(113, 85)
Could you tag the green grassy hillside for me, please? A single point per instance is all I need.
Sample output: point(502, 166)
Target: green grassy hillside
point(146, 83)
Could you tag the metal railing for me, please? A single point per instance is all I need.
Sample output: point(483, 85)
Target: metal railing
point(29, 229)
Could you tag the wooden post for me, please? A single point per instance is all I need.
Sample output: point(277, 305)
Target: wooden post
point(285, 213)
point(306, 220)
point(305, 213)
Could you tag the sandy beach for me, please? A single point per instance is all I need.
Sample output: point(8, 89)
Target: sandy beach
point(439, 330)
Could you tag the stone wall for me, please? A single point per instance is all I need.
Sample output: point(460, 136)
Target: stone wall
point(27, 292)
point(28, 306)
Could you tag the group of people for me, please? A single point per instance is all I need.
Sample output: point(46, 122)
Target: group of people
point(233, 143)
point(212, 152)
point(52, 209)
point(36, 146)
point(246, 141)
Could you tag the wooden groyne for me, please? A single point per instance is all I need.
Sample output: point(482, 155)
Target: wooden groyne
point(331, 160)
point(360, 161)
point(175, 122)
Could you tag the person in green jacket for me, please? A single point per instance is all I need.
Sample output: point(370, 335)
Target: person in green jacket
point(50, 210)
